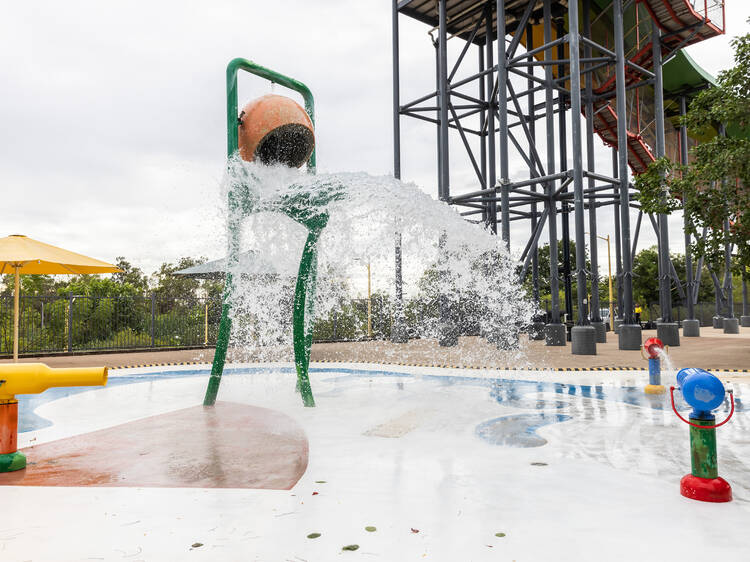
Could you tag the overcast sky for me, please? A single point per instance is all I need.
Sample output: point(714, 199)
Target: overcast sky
point(112, 135)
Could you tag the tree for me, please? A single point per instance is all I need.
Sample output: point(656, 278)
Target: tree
point(715, 185)
point(130, 275)
point(31, 284)
point(544, 284)
point(646, 278)
point(170, 287)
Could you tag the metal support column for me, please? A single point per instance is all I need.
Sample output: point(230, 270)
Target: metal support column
point(563, 147)
point(594, 311)
point(537, 331)
point(583, 336)
point(502, 112)
point(630, 332)
point(618, 241)
point(667, 330)
point(691, 326)
point(444, 184)
point(532, 142)
point(554, 332)
point(491, 179)
point(447, 336)
point(398, 329)
point(731, 323)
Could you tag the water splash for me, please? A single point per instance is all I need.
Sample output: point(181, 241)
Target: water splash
point(668, 370)
point(458, 278)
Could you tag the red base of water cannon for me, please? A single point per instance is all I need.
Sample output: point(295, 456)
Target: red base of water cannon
point(715, 490)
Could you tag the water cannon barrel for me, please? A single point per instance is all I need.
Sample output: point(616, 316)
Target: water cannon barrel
point(701, 390)
point(34, 378)
point(652, 347)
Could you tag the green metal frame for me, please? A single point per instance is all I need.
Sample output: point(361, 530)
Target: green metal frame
point(298, 210)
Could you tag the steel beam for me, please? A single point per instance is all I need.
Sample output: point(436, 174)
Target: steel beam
point(444, 185)
point(686, 222)
point(398, 331)
point(665, 285)
point(502, 110)
point(563, 146)
point(491, 153)
point(551, 207)
point(594, 313)
point(622, 143)
point(575, 122)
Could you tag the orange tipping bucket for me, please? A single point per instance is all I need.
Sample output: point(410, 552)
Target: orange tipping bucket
point(275, 130)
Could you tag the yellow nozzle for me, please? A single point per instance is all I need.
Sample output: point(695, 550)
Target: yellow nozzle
point(34, 378)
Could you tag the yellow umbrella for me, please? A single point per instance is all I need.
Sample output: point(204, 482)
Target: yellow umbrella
point(28, 256)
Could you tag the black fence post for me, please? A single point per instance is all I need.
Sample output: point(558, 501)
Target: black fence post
point(70, 322)
point(153, 320)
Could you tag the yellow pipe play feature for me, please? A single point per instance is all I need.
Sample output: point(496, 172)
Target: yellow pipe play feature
point(33, 378)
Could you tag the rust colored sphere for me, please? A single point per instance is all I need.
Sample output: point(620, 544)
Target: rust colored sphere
point(275, 129)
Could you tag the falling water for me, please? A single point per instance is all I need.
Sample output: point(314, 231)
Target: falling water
point(668, 370)
point(447, 261)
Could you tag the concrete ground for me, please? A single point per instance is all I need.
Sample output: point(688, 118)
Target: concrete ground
point(713, 350)
point(414, 463)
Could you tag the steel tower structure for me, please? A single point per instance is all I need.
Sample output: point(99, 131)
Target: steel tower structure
point(571, 69)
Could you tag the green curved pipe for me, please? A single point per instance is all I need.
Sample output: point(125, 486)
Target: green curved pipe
point(304, 296)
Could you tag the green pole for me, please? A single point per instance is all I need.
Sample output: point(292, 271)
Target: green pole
point(234, 228)
point(703, 461)
point(304, 297)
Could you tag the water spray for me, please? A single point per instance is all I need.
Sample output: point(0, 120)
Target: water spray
point(704, 392)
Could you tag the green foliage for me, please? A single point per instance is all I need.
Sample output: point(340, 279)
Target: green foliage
point(130, 275)
point(714, 187)
point(170, 286)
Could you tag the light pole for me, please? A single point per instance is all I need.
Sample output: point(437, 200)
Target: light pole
point(369, 302)
point(369, 298)
point(611, 302)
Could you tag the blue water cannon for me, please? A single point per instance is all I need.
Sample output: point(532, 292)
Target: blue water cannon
point(704, 392)
point(701, 390)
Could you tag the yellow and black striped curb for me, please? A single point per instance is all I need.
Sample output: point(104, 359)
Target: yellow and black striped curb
point(142, 365)
point(437, 365)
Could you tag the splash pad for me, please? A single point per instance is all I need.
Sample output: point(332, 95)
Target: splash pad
point(395, 462)
point(458, 455)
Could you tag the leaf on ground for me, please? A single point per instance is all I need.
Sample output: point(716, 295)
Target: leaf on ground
point(501, 535)
point(315, 493)
point(196, 545)
point(313, 535)
point(413, 530)
point(370, 529)
point(350, 547)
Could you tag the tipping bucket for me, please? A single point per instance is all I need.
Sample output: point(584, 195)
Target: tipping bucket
point(275, 130)
point(652, 347)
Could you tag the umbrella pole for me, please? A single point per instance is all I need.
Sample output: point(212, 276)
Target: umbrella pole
point(15, 316)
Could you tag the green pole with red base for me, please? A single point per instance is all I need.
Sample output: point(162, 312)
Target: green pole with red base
point(704, 392)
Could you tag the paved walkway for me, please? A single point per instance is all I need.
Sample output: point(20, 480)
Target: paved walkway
point(713, 350)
